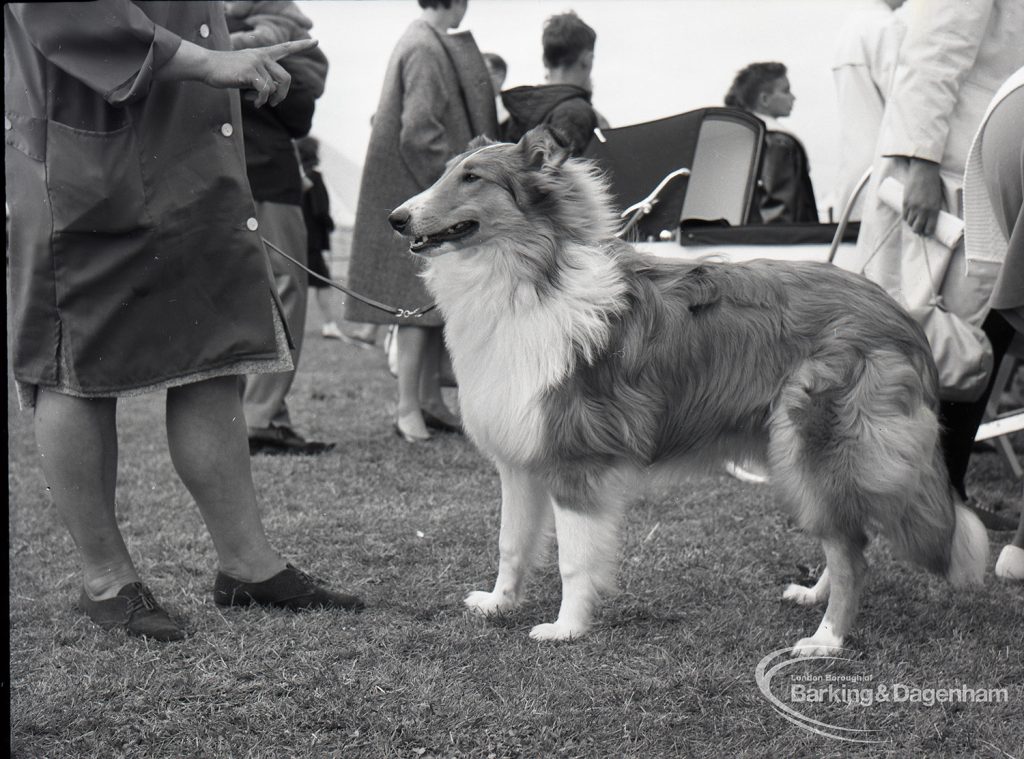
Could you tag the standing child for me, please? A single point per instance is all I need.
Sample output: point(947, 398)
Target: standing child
point(563, 103)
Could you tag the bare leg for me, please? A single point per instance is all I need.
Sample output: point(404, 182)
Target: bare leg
point(525, 521)
point(846, 566)
point(77, 440)
point(207, 438)
point(431, 395)
point(412, 348)
point(323, 301)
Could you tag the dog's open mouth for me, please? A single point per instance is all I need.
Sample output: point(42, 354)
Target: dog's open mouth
point(454, 232)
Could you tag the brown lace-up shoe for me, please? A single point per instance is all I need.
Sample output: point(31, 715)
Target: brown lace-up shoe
point(135, 611)
point(290, 588)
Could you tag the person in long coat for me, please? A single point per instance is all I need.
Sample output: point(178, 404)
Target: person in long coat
point(436, 97)
point(136, 265)
point(863, 61)
point(953, 58)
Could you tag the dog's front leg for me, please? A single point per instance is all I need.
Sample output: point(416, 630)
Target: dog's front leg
point(587, 558)
point(525, 530)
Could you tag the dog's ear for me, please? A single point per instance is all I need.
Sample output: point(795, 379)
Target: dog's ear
point(481, 141)
point(544, 146)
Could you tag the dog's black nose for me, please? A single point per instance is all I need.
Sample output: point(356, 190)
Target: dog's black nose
point(399, 219)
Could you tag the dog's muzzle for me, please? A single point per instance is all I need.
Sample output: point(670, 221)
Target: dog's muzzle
point(399, 220)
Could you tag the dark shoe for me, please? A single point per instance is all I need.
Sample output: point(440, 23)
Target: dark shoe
point(437, 423)
point(135, 610)
point(283, 440)
point(288, 589)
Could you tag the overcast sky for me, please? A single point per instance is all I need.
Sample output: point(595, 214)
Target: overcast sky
point(653, 58)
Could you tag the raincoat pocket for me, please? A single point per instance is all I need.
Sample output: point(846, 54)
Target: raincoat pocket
point(95, 180)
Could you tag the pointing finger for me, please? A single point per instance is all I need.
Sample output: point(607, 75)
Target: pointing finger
point(284, 49)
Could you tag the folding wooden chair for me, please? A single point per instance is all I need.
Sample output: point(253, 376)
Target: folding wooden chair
point(999, 426)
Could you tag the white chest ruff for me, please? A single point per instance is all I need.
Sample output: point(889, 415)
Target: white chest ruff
point(506, 357)
point(503, 369)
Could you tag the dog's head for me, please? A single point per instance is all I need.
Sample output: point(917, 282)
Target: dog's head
point(497, 191)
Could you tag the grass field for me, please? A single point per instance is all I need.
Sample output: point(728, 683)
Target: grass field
point(669, 670)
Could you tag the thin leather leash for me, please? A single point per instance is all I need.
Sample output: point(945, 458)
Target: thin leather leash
point(401, 313)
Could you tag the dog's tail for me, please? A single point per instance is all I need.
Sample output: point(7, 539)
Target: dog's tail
point(969, 554)
point(929, 526)
point(936, 531)
point(921, 514)
point(873, 447)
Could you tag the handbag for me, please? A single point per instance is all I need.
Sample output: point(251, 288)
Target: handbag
point(963, 353)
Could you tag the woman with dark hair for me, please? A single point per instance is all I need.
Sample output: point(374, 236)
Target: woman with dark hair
point(785, 193)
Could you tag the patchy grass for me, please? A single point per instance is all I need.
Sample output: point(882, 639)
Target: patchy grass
point(668, 671)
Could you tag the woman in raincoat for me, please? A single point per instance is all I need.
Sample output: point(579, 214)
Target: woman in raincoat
point(136, 265)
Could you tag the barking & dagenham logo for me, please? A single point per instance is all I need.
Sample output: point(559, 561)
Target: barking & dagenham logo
point(836, 697)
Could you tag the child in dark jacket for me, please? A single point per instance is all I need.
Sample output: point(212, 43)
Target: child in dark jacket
point(563, 103)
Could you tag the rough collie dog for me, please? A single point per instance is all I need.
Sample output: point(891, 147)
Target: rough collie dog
point(587, 369)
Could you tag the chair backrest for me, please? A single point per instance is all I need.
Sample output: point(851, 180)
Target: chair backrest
point(721, 147)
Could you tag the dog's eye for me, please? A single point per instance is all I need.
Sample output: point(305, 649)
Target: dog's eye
point(469, 177)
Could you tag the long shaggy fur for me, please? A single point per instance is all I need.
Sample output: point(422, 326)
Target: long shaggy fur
point(586, 369)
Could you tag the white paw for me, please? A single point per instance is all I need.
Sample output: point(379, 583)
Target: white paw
point(1010, 565)
point(801, 595)
point(557, 631)
point(745, 474)
point(822, 644)
point(489, 604)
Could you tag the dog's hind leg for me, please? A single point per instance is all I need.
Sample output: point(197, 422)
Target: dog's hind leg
point(526, 510)
point(846, 570)
point(811, 463)
point(587, 558)
point(809, 596)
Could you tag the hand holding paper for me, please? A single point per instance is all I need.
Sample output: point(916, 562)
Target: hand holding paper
point(948, 228)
